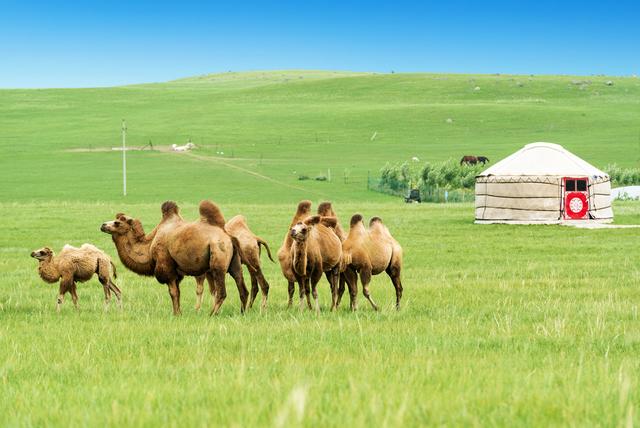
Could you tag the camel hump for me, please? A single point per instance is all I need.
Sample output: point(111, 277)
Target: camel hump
point(326, 209)
point(355, 219)
point(375, 220)
point(169, 208)
point(303, 207)
point(210, 213)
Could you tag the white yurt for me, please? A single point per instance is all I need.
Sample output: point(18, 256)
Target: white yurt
point(543, 183)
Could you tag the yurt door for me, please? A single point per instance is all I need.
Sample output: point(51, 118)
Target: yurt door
point(575, 198)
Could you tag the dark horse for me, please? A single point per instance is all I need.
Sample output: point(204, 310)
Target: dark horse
point(472, 160)
point(469, 160)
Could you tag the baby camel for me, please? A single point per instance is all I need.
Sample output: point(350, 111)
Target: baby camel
point(316, 249)
point(76, 265)
point(370, 252)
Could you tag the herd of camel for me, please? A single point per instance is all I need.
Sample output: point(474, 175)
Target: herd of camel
point(211, 247)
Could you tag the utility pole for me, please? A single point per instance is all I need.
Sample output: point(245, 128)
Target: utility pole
point(124, 157)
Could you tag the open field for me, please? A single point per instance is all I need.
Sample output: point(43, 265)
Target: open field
point(500, 325)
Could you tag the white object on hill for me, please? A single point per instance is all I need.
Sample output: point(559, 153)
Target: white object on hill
point(185, 148)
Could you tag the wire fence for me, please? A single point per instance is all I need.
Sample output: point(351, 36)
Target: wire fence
point(427, 194)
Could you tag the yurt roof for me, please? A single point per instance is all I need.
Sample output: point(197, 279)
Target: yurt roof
point(543, 159)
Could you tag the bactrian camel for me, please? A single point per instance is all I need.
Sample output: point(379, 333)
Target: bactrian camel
point(316, 249)
point(76, 265)
point(284, 253)
point(370, 252)
point(176, 248)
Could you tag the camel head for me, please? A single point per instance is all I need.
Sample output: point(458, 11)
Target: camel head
point(42, 254)
point(300, 231)
point(122, 225)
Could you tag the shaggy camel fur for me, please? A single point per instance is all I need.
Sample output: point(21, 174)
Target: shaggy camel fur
point(76, 265)
point(370, 252)
point(316, 249)
point(176, 248)
point(284, 253)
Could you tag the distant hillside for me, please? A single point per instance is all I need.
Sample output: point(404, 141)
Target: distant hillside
point(259, 132)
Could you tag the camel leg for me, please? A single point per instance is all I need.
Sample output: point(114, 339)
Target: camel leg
point(217, 278)
point(235, 270)
point(65, 285)
point(117, 292)
point(301, 285)
point(174, 292)
point(199, 291)
point(107, 293)
point(107, 296)
point(365, 278)
point(341, 289)
point(332, 277)
point(264, 288)
point(314, 290)
point(291, 289)
point(351, 279)
point(212, 289)
point(394, 274)
point(74, 295)
point(254, 288)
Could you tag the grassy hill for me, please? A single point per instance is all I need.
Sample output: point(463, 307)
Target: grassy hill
point(281, 125)
point(500, 325)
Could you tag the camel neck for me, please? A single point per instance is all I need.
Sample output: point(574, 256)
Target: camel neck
point(48, 270)
point(299, 250)
point(135, 255)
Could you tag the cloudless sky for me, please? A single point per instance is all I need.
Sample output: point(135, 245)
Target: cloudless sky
point(104, 43)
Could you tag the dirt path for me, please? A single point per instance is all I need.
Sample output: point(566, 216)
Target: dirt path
point(248, 171)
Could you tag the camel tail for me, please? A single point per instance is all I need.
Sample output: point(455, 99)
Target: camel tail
point(210, 213)
point(264, 243)
point(113, 267)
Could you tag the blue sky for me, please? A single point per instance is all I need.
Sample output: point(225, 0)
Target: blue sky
point(103, 43)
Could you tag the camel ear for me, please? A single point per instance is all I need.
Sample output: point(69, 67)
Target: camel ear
point(313, 220)
point(329, 221)
point(119, 215)
point(130, 221)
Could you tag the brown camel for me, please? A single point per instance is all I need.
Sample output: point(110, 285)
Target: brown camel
point(176, 248)
point(249, 246)
point(325, 209)
point(76, 265)
point(370, 252)
point(316, 249)
point(284, 253)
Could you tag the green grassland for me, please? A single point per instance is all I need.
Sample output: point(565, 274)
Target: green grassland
point(500, 325)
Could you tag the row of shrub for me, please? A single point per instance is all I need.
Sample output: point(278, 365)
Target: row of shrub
point(442, 175)
point(623, 176)
point(450, 175)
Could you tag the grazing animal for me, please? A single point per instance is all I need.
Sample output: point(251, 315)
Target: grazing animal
point(483, 159)
point(325, 209)
point(249, 245)
point(469, 160)
point(370, 252)
point(284, 253)
point(76, 265)
point(176, 248)
point(316, 249)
